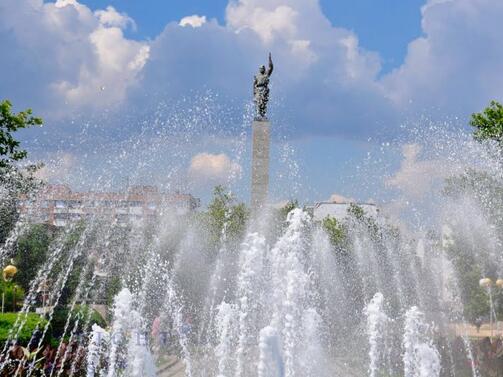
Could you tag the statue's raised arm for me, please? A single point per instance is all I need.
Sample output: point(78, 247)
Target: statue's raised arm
point(271, 66)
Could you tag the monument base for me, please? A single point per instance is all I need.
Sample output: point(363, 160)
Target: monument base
point(260, 164)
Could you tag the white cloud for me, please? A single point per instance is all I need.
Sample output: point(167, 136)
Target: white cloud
point(194, 21)
point(69, 58)
point(322, 77)
point(417, 177)
point(116, 62)
point(452, 69)
point(207, 168)
point(320, 69)
point(110, 17)
point(280, 20)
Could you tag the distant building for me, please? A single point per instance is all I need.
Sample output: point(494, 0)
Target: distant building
point(58, 205)
point(339, 211)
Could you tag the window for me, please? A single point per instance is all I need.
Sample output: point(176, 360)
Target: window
point(60, 204)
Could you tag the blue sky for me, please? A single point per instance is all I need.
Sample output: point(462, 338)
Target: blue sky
point(386, 26)
point(159, 91)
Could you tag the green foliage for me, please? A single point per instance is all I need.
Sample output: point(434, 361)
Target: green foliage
point(357, 214)
point(31, 252)
point(356, 211)
point(13, 181)
point(336, 231)
point(489, 123)
point(11, 288)
point(7, 321)
point(112, 288)
point(9, 123)
point(474, 298)
point(80, 312)
point(225, 212)
point(487, 192)
point(279, 216)
point(287, 208)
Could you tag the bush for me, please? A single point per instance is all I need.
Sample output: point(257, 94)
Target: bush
point(7, 321)
point(31, 253)
point(81, 312)
point(8, 289)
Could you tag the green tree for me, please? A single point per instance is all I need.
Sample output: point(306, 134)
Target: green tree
point(287, 208)
point(31, 253)
point(487, 192)
point(336, 231)
point(13, 180)
point(489, 123)
point(225, 212)
point(10, 122)
point(469, 272)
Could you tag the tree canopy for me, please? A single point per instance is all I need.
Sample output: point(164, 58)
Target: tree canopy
point(489, 123)
point(225, 212)
point(10, 122)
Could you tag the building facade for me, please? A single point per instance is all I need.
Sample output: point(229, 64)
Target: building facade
point(58, 205)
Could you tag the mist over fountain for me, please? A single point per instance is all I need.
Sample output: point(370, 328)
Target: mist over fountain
point(221, 293)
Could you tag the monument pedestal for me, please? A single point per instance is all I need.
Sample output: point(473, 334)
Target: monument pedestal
point(260, 164)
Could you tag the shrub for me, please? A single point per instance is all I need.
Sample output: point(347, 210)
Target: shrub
point(80, 312)
point(7, 321)
point(8, 289)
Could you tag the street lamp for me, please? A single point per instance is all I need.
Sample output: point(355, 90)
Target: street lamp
point(8, 274)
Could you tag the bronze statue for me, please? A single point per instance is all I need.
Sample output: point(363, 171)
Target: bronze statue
point(261, 90)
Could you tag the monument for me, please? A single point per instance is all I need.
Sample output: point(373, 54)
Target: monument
point(260, 134)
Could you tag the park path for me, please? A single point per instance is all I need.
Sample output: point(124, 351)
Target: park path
point(171, 367)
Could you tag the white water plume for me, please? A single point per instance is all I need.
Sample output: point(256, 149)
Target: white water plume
point(97, 344)
point(119, 330)
point(420, 357)
point(376, 332)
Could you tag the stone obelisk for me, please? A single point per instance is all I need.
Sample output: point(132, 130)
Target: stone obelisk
point(260, 163)
point(260, 134)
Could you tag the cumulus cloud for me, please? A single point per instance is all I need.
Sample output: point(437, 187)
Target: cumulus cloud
point(69, 58)
point(266, 22)
point(323, 77)
point(110, 17)
point(207, 168)
point(452, 69)
point(194, 21)
point(72, 59)
point(416, 177)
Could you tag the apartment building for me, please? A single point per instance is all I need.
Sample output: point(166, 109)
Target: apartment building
point(58, 205)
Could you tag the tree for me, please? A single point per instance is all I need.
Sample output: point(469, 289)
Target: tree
point(336, 231)
point(489, 123)
point(487, 192)
point(13, 181)
point(225, 212)
point(31, 253)
point(287, 208)
point(10, 150)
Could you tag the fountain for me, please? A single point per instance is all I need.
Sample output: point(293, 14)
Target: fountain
point(420, 358)
point(268, 295)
